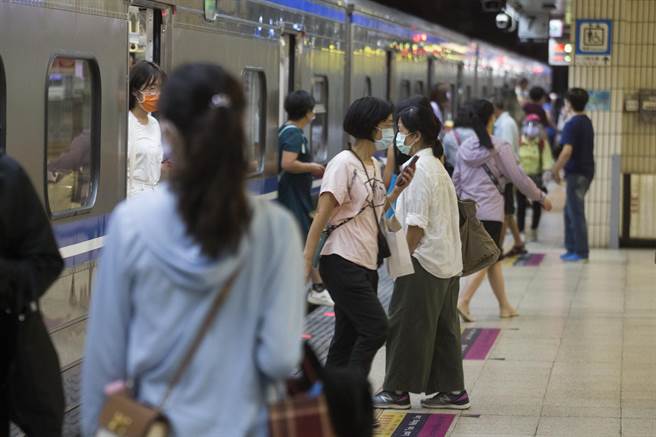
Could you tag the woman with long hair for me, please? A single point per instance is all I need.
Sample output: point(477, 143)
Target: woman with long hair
point(483, 167)
point(424, 352)
point(169, 252)
point(352, 201)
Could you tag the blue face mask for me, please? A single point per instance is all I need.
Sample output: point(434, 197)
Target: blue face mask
point(400, 143)
point(386, 140)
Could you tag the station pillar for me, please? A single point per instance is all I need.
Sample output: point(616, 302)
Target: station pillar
point(619, 84)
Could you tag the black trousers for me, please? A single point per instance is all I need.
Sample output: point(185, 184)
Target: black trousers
point(7, 346)
point(360, 320)
point(522, 202)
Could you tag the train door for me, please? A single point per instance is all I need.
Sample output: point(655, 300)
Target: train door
point(148, 40)
point(389, 57)
point(291, 45)
point(460, 83)
point(147, 33)
point(3, 102)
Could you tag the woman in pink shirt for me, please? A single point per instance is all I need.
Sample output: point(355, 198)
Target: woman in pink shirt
point(352, 201)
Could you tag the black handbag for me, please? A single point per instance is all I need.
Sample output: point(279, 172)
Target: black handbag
point(35, 390)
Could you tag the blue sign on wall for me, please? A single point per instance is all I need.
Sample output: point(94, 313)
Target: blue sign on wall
point(594, 37)
point(594, 41)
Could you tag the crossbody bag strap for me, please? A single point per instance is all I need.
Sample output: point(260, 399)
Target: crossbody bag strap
point(373, 189)
point(217, 303)
point(492, 177)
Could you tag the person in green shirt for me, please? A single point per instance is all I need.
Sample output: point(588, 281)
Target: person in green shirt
point(536, 160)
point(297, 171)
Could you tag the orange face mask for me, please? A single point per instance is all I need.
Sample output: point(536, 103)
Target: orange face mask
point(149, 103)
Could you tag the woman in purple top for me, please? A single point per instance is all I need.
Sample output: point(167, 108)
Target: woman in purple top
point(484, 165)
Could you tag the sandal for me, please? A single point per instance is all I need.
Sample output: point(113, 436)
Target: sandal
point(466, 316)
point(509, 315)
point(515, 251)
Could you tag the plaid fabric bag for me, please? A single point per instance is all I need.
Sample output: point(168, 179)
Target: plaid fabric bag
point(304, 412)
point(300, 416)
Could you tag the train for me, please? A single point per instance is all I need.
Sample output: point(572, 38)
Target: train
point(64, 68)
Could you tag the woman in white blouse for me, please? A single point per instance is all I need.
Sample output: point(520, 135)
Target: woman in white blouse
point(145, 152)
point(423, 346)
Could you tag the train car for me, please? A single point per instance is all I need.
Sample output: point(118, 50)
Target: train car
point(64, 95)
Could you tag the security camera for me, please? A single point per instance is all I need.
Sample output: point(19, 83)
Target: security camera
point(493, 5)
point(506, 22)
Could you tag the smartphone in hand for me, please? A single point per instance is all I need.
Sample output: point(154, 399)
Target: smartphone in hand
point(413, 163)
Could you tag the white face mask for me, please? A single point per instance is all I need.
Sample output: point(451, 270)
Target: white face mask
point(532, 130)
point(386, 140)
point(401, 145)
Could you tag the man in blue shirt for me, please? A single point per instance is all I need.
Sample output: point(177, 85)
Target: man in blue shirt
point(577, 158)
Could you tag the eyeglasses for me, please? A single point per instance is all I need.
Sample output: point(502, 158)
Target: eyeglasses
point(150, 91)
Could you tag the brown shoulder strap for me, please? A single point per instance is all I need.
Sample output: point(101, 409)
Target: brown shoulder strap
point(218, 301)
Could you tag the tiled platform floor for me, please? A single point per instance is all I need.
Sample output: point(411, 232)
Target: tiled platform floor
point(581, 358)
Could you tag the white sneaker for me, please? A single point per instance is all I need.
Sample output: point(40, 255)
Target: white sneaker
point(532, 235)
point(321, 298)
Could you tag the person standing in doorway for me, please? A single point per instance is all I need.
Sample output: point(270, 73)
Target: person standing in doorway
point(145, 151)
point(577, 158)
point(297, 170)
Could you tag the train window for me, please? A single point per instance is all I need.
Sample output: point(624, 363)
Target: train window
point(405, 89)
point(72, 134)
point(419, 88)
point(255, 89)
point(367, 87)
point(3, 102)
point(319, 127)
point(454, 99)
point(468, 93)
point(485, 96)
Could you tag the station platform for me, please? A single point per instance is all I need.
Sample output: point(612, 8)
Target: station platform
point(580, 360)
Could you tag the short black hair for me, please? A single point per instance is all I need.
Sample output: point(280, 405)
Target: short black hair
point(298, 104)
point(537, 93)
point(578, 98)
point(364, 115)
point(142, 75)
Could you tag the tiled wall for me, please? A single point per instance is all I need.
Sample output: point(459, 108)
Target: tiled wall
point(632, 67)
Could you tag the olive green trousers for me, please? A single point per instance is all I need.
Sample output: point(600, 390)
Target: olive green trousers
point(424, 352)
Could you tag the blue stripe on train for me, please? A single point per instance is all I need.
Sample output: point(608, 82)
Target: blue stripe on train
point(88, 228)
point(313, 8)
point(362, 20)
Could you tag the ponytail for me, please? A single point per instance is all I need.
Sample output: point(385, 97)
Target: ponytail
point(206, 105)
point(478, 116)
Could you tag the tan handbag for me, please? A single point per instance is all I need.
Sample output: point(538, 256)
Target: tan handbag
point(124, 416)
point(479, 250)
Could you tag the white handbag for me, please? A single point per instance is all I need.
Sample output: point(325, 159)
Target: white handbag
point(399, 263)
